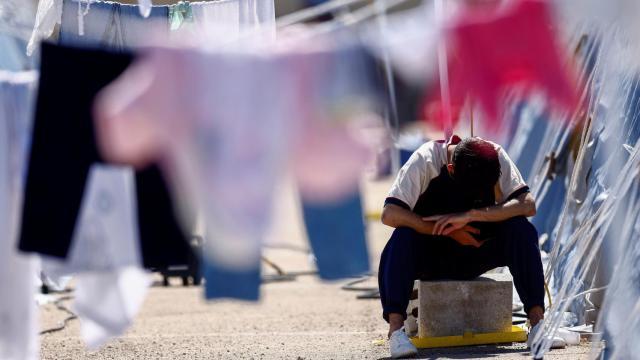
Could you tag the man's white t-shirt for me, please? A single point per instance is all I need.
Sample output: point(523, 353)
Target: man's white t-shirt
point(426, 162)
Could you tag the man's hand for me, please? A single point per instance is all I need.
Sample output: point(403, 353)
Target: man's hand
point(447, 224)
point(464, 236)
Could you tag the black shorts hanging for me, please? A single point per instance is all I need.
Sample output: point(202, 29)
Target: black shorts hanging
point(63, 150)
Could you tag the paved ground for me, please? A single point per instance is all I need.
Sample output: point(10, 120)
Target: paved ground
point(301, 319)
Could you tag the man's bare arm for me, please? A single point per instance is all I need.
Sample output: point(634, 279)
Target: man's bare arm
point(397, 216)
point(523, 205)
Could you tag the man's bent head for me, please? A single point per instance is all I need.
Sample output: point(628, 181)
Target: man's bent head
point(476, 166)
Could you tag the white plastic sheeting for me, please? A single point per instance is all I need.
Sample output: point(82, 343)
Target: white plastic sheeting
point(595, 248)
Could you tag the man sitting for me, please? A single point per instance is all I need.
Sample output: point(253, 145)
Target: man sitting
point(459, 208)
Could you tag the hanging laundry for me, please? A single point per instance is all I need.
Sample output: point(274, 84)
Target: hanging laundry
point(243, 155)
point(112, 25)
point(527, 58)
point(222, 282)
point(12, 57)
point(408, 41)
point(212, 24)
point(144, 238)
point(18, 333)
point(105, 237)
point(406, 49)
point(145, 7)
point(109, 235)
point(337, 236)
point(119, 27)
point(179, 13)
point(123, 26)
point(228, 158)
point(105, 258)
point(66, 145)
point(50, 14)
point(107, 311)
point(258, 16)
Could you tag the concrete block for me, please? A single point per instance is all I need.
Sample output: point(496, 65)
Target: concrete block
point(411, 323)
point(453, 307)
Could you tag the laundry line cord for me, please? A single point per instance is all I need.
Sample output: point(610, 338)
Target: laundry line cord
point(62, 324)
point(281, 274)
point(367, 292)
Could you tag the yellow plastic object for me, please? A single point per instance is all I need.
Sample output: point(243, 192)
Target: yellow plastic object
point(373, 215)
point(517, 334)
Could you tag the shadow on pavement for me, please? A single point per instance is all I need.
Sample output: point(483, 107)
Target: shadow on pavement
point(468, 352)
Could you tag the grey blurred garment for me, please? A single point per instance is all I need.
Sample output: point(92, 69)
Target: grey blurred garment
point(18, 333)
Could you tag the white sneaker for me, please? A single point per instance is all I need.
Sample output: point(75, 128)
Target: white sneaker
point(556, 343)
point(400, 345)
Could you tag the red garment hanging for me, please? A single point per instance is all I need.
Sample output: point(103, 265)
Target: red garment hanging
point(491, 49)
